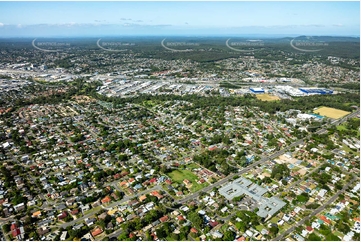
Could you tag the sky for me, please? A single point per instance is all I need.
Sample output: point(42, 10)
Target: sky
point(97, 19)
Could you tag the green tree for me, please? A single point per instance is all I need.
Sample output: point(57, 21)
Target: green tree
point(314, 237)
point(174, 237)
point(161, 234)
point(123, 236)
point(280, 171)
point(332, 237)
point(241, 226)
point(196, 219)
point(274, 230)
point(228, 235)
point(6, 228)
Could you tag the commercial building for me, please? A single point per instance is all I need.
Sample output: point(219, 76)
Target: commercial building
point(267, 206)
point(294, 92)
point(257, 90)
point(313, 91)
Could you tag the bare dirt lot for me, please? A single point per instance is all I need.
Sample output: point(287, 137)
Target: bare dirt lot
point(267, 97)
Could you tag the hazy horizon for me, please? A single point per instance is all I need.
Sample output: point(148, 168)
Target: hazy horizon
point(97, 19)
point(260, 36)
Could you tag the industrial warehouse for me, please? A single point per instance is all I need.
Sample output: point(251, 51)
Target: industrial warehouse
point(291, 91)
point(311, 91)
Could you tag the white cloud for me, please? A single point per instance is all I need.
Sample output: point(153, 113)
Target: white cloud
point(129, 24)
point(1, 24)
point(338, 25)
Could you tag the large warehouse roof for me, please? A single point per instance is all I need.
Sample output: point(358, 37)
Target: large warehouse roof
point(256, 89)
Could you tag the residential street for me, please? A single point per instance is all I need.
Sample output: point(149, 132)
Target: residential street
point(315, 212)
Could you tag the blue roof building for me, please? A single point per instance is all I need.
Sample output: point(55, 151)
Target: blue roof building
point(257, 90)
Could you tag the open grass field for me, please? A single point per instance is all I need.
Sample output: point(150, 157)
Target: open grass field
point(267, 97)
point(193, 166)
point(341, 127)
point(179, 175)
point(331, 112)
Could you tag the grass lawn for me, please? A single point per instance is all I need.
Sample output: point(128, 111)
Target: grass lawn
point(179, 175)
point(341, 127)
point(260, 227)
point(192, 166)
point(149, 103)
point(274, 220)
point(224, 228)
point(96, 209)
point(285, 227)
point(346, 148)
point(338, 233)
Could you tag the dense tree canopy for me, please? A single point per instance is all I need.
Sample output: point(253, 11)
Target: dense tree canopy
point(280, 171)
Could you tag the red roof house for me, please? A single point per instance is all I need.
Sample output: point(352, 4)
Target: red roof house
point(153, 180)
point(107, 199)
point(15, 232)
point(96, 231)
point(164, 218)
point(324, 219)
point(309, 228)
point(13, 226)
point(213, 223)
point(156, 194)
point(62, 215)
point(74, 212)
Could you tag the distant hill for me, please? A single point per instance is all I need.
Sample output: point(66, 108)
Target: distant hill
point(208, 49)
